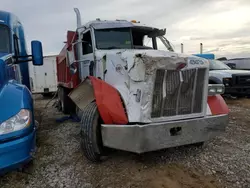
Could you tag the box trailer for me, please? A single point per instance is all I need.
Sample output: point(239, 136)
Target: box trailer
point(238, 63)
point(43, 79)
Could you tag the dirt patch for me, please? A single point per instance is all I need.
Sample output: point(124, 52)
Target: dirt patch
point(59, 162)
point(177, 176)
point(167, 176)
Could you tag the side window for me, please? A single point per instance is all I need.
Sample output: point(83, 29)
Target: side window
point(87, 43)
point(16, 45)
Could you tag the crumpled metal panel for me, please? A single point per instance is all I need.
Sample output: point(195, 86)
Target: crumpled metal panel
point(133, 72)
point(168, 109)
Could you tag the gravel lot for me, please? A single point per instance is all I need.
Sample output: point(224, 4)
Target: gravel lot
point(222, 162)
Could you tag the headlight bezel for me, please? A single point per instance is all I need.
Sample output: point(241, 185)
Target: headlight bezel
point(18, 122)
point(215, 89)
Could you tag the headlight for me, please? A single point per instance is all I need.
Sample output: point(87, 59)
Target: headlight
point(16, 123)
point(227, 81)
point(214, 89)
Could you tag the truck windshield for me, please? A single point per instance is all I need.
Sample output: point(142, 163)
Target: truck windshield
point(4, 39)
point(217, 65)
point(117, 38)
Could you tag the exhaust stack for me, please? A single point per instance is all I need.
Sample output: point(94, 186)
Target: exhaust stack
point(182, 48)
point(78, 17)
point(201, 48)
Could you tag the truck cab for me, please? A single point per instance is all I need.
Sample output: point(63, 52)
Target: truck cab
point(133, 96)
point(17, 123)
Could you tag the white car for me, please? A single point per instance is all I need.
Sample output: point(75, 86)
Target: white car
point(237, 82)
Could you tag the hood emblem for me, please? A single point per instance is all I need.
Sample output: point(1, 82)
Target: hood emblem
point(181, 66)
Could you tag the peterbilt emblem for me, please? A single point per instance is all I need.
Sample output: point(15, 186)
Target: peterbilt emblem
point(196, 62)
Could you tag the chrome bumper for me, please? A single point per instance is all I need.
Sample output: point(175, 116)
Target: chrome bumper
point(156, 136)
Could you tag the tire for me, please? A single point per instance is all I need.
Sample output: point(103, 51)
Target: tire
point(91, 140)
point(79, 112)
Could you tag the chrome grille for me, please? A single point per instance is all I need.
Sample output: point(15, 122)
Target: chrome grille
point(241, 80)
point(178, 92)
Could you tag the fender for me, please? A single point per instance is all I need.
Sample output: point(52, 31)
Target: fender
point(108, 102)
point(214, 79)
point(217, 105)
point(14, 97)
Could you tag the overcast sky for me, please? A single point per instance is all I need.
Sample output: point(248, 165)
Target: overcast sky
point(223, 26)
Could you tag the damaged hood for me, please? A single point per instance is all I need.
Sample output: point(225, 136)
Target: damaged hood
point(132, 73)
point(137, 63)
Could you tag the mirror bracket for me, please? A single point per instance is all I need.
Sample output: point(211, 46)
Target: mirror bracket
point(72, 70)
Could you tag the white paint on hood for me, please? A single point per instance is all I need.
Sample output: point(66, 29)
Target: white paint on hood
point(132, 70)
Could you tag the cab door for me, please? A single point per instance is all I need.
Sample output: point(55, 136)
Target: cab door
point(87, 64)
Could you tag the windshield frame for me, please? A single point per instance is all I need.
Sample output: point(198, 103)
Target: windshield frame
point(153, 33)
point(220, 65)
point(9, 38)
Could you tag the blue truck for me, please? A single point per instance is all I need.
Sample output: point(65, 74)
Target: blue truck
point(17, 123)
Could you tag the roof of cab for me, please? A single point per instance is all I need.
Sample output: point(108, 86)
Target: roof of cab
point(104, 24)
point(5, 17)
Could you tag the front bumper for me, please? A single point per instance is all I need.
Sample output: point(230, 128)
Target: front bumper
point(237, 90)
point(156, 136)
point(15, 153)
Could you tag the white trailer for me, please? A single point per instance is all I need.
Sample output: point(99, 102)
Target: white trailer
point(43, 79)
point(238, 63)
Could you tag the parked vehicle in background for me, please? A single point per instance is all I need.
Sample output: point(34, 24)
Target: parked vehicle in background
point(238, 63)
point(237, 82)
point(43, 79)
point(17, 123)
point(206, 56)
point(131, 96)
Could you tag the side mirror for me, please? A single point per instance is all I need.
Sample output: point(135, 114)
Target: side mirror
point(37, 53)
point(72, 69)
point(70, 57)
point(87, 43)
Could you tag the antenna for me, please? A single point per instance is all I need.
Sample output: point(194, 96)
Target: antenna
point(78, 17)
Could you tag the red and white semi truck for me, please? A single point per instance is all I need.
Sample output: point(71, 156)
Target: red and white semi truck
point(134, 97)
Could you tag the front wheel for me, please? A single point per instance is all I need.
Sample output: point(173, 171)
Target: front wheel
point(91, 139)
